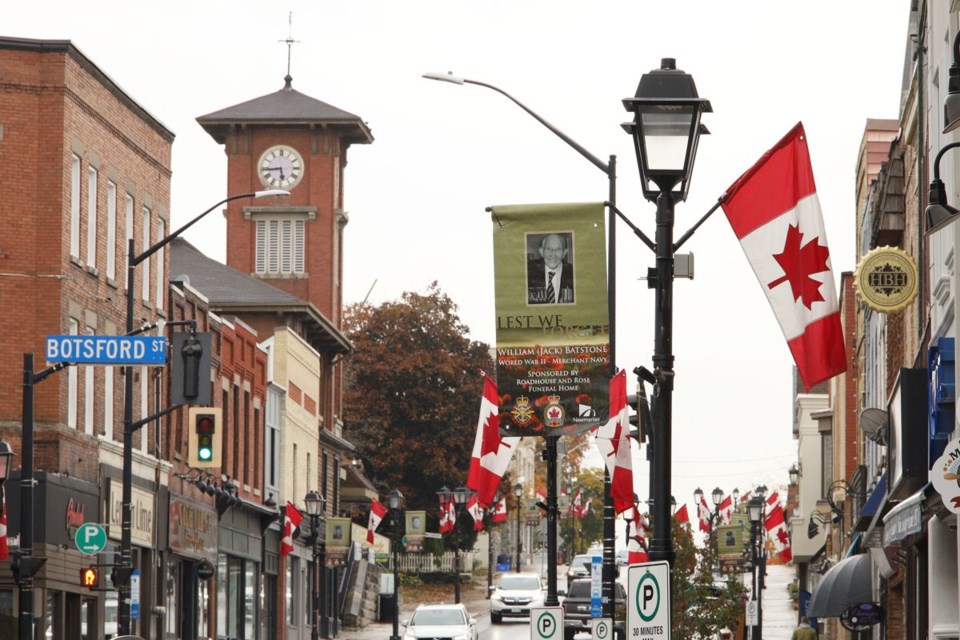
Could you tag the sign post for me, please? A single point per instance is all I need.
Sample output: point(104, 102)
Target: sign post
point(546, 623)
point(648, 601)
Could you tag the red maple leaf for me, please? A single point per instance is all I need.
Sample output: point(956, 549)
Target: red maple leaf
point(490, 441)
point(782, 536)
point(799, 263)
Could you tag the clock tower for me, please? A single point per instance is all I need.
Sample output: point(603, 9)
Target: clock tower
point(288, 140)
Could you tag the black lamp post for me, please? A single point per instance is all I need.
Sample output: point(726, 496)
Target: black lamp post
point(460, 496)
point(666, 130)
point(488, 520)
point(124, 567)
point(518, 492)
point(755, 507)
point(395, 504)
point(316, 507)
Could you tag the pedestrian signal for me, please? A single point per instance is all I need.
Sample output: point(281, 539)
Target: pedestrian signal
point(90, 577)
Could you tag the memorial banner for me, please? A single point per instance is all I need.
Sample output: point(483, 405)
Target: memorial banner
point(553, 328)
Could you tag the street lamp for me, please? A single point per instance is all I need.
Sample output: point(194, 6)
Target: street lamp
point(794, 473)
point(755, 507)
point(124, 568)
point(666, 130)
point(395, 503)
point(460, 496)
point(518, 492)
point(316, 507)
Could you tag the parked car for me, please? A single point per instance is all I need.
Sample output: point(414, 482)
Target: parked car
point(576, 609)
point(623, 557)
point(514, 596)
point(440, 621)
point(580, 567)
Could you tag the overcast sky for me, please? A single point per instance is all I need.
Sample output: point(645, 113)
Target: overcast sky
point(443, 153)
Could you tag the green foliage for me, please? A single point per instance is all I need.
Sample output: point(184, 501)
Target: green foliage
point(586, 531)
point(412, 394)
point(701, 605)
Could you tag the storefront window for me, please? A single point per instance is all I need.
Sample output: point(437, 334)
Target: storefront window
point(88, 619)
point(288, 589)
point(203, 608)
point(249, 609)
point(110, 614)
point(237, 585)
point(171, 582)
point(8, 621)
point(53, 617)
point(221, 593)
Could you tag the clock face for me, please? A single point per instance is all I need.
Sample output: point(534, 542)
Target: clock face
point(280, 167)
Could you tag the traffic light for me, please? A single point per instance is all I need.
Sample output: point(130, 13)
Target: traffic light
point(206, 435)
point(190, 368)
point(90, 577)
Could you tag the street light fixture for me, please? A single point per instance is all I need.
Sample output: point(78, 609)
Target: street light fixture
point(395, 503)
point(794, 473)
point(316, 506)
point(518, 492)
point(6, 457)
point(460, 496)
point(755, 508)
point(666, 131)
point(124, 567)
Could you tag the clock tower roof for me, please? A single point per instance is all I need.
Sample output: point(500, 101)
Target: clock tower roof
point(286, 107)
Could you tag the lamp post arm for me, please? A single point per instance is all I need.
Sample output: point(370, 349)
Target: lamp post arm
point(636, 230)
point(947, 147)
point(703, 218)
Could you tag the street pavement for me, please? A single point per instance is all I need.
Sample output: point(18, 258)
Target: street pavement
point(779, 615)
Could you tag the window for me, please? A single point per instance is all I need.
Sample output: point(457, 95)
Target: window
point(91, 217)
point(271, 449)
point(111, 230)
point(72, 383)
point(161, 234)
point(237, 586)
point(88, 373)
point(280, 245)
point(108, 403)
point(128, 213)
point(288, 588)
point(145, 265)
point(75, 207)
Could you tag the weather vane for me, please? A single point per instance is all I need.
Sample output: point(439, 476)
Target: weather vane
point(289, 42)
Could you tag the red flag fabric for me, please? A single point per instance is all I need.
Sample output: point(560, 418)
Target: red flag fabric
point(576, 505)
point(744, 497)
point(476, 511)
point(291, 520)
point(491, 453)
point(703, 513)
point(775, 214)
point(500, 511)
point(637, 541)
point(773, 499)
point(681, 515)
point(4, 546)
point(377, 511)
point(776, 527)
point(613, 441)
point(541, 495)
point(726, 509)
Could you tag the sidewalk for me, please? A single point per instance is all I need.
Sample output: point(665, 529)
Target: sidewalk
point(779, 616)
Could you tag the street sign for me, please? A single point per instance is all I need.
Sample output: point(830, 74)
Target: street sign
point(602, 629)
point(546, 623)
point(596, 587)
point(90, 538)
point(116, 350)
point(752, 618)
point(648, 601)
point(135, 595)
point(205, 570)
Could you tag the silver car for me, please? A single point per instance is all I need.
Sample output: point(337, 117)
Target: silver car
point(440, 621)
point(514, 596)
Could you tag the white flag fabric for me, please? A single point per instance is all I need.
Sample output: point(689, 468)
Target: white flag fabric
point(491, 453)
point(500, 511)
point(613, 441)
point(291, 520)
point(776, 527)
point(703, 513)
point(726, 509)
point(377, 511)
point(476, 512)
point(775, 214)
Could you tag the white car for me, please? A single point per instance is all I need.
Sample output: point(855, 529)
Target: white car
point(514, 596)
point(440, 621)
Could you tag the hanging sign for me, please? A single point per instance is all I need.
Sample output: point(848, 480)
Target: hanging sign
point(887, 279)
point(945, 476)
point(553, 326)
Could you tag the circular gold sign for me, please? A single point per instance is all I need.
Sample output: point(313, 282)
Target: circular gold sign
point(886, 279)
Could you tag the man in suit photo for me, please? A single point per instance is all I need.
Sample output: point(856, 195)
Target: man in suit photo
point(550, 277)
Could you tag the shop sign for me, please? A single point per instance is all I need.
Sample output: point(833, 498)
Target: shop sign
point(945, 476)
point(887, 279)
point(193, 530)
point(861, 617)
point(337, 539)
point(141, 518)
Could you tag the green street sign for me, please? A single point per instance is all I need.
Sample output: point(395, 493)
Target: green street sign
point(90, 538)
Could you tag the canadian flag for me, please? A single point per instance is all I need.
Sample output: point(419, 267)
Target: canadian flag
point(744, 497)
point(703, 513)
point(291, 520)
point(613, 441)
point(541, 495)
point(500, 511)
point(682, 516)
point(637, 541)
point(776, 528)
point(773, 498)
point(726, 509)
point(491, 453)
point(448, 515)
point(4, 548)
point(476, 511)
point(576, 505)
point(377, 511)
point(774, 211)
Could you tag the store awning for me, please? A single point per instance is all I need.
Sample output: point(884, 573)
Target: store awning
point(847, 583)
point(873, 503)
point(905, 519)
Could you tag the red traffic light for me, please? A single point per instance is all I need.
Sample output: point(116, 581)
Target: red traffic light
point(206, 423)
point(89, 577)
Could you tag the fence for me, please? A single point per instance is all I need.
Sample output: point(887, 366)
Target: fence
point(417, 563)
